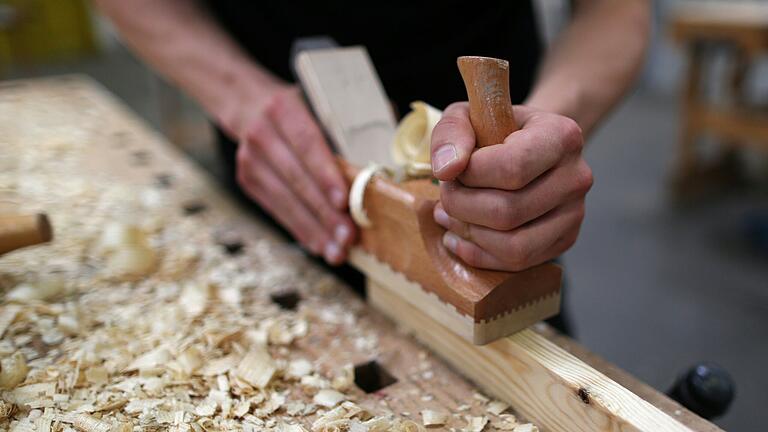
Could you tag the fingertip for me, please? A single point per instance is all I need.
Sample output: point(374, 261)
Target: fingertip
point(451, 241)
point(448, 161)
point(333, 253)
point(443, 157)
point(441, 217)
point(343, 234)
point(452, 142)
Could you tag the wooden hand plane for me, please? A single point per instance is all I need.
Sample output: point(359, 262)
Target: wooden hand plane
point(402, 249)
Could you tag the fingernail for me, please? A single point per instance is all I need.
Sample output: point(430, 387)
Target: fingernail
point(332, 252)
point(341, 234)
point(443, 157)
point(441, 217)
point(450, 241)
point(337, 198)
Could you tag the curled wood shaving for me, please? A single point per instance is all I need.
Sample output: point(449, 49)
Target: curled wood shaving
point(189, 361)
point(31, 392)
point(497, 407)
point(219, 366)
point(126, 251)
point(97, 375)
point(346, 379)
point(6, 409)
point(476, 424)
point(291, 428)
point(7, 315)
point(87, 423)
point(256, 368)
point(42, 289)
point(527, 427)
point(151, 359)
point(13, 371)
point(285, 330)
point(408, 426)
point(194, 299)
point(505, 422)
point(328, 398)
point(433, 418)
point(299, 368)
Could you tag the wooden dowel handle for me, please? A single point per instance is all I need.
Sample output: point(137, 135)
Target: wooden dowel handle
point(18, 231)
point(490, 107)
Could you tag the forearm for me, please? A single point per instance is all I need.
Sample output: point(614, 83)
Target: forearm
point(180, 41)
point(594, 61)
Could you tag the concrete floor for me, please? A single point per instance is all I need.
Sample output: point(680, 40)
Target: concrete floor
point(653, 288)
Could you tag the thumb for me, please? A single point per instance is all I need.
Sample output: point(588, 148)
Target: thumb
point(453, 141)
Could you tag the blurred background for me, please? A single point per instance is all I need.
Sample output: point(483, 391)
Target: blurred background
point(671, 268)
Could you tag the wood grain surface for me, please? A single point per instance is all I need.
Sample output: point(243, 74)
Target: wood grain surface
point(543, 381)
point(101, 145)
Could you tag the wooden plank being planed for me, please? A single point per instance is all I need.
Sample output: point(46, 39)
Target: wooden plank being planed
point(541, 380)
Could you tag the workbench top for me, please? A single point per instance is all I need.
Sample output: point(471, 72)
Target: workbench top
point(225, 326)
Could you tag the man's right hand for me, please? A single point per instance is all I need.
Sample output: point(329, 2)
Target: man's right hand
point(285, 164)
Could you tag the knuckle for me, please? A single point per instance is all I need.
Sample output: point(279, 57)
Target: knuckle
point(242, 162)
point(331, 176)
point(277, 102)
point(306, 138)
point(570, 240)
point(448, 197)
point(326, 214)
point(462, 229)
point(573, 137)
point(293, 176)
point(513, 169)
point(580, 212)
point(470, 254)
point(241, 178)
point(584, 178)
point(449, 121)
point(504, 216)
point(457, 111)
point(518, 254)
point(443, 131)
point(241, 157)
point(254, 135)
point(457, 107)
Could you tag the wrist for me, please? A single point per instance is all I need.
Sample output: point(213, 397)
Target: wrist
point(242, 92)
point(569, 100)
point(563, 100)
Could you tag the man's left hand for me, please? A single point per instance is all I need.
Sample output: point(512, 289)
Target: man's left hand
point(513, 205)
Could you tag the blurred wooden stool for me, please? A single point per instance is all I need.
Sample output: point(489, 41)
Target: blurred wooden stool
point(742, 28)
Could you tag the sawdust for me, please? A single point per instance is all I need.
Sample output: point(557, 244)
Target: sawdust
point(133, 319)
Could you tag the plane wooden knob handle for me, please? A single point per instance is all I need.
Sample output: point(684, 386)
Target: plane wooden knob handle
point(18, 231)
point(490, 107)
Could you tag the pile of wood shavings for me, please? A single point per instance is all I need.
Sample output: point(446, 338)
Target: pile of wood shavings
point(197, 345)
point(136, 319)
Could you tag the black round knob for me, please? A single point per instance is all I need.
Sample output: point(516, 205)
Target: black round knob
point(706, 389)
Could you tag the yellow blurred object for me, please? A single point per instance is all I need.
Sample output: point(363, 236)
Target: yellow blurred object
point(34, 31)
point(410, 146)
